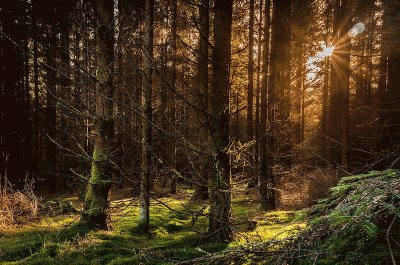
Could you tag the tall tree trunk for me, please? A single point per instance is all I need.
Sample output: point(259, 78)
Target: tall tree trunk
point(325, 90)
point(95, 213)
point(220, 182)
point(250, 96)
point(201, 189)
point(13, 113)
point(392, 8)
point(258, 87)
point(65, 95)
point(301, 9)
point(279, 82)
point(339, 90)
point(266, 173)
point(51, 115)
point(382, 86)
point(36, 122)
point(172, 143)
point(145, 180)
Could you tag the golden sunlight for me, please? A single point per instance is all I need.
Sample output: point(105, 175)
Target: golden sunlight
point(328, 51)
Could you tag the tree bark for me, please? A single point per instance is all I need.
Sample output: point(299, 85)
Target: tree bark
point(339, 90)
point(325, 90)
point(172, 143)
point(95, 214)
point(392, 8)
point(51, 110)
point(258, 87)
point(250, 96)
point(201, 189)
point(279, 81)
point(266, 173)
point(145, 180)
point(220, 182)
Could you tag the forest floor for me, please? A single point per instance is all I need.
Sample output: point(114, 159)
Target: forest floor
point(178, 229)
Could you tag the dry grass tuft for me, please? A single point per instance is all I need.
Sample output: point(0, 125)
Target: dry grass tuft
point(17, 207)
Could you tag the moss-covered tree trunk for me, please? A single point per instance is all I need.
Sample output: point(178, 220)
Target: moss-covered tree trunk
point(145, 180)
point(220, 181)
point(95, 213)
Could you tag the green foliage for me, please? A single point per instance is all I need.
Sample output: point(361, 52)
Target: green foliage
point(175, 235)
point(351, 226)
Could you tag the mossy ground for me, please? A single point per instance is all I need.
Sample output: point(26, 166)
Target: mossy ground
point(357, 224)
point(175, 235)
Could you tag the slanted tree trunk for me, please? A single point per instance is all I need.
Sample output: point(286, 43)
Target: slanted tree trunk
point(201, 189)
point(267, 200)
point(95, 213)
point(220, 181)
point(145, 180)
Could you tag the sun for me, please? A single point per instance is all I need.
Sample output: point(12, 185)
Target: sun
point(327, 52)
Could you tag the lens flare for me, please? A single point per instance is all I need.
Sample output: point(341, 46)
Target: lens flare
point(360, 27)
point(328, 51)
point(356, 30)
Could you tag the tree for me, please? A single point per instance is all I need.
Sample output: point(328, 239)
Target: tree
point(265, 160)
point(338, 114)
point(279, 82)
point(300, 27)
point(392, 51)
point(220, 180)
point(258, 88)
point(325, 88)
point(172, 144)
point(51, 110)
point(95, 214)
point(145, 179)
point(15, 132)
point(250, 94)
point(201, 189)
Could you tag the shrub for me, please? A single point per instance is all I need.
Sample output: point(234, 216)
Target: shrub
point(17, 207)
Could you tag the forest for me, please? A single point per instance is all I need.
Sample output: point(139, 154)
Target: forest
point(200, 132)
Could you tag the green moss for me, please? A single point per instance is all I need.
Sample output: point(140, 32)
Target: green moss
point(351, 225)
point(175, 235)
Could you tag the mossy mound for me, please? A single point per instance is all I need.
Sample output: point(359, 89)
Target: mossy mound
point(358, 224)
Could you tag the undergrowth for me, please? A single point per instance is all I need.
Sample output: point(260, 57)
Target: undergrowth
point(177, 225)
point(17, 206)
point(358, 224)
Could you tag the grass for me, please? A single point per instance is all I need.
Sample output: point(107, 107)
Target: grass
point(176, 236)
